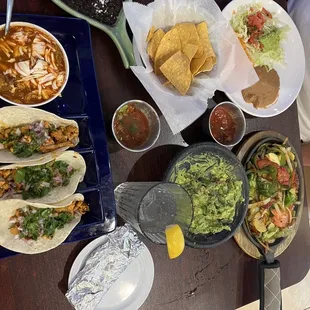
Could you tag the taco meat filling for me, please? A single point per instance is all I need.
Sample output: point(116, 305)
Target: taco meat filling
point(35, 181)
point(37, 137)
point(31, 223)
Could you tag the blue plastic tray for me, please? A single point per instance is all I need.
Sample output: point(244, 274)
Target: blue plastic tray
point(80, 101)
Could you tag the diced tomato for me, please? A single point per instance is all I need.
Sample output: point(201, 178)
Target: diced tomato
point(253, 37)
point(260, 16)
point(256, 20)
point(283, 176)
point(252, 40)
point(295, 180)
point(267, 13)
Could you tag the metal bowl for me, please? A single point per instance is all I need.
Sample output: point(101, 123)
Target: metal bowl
point(154, 124)
point(213, 240)
point(239, 119)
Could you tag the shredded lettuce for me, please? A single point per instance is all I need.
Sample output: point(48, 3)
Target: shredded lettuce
point(273, 35)
point(239, 20)
point(272, 52)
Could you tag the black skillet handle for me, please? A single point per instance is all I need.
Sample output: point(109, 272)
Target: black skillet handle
point(270, 287)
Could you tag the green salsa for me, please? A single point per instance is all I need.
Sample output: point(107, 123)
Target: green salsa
point(214, 189)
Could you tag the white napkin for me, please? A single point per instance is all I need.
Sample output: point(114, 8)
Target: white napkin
point(233, 71)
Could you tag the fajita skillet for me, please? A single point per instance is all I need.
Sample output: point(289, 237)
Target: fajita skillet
point(269, 269)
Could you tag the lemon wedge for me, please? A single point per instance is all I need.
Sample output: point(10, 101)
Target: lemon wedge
point(175, 240)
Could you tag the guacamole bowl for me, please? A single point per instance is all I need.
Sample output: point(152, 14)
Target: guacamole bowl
point(217, 183)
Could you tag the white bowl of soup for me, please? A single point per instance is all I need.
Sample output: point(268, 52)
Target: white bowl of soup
point(34, 67)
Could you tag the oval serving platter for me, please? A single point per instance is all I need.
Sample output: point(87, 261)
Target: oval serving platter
point(243, 153)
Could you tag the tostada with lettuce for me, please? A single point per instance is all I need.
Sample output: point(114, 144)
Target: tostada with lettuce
point(261, 35)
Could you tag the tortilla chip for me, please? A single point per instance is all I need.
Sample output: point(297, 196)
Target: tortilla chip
point(169, 45)
point(189, 50)
point(150, 34)
point(197, 63)
point(154, 43)
point(208, 64)
point(200, 51)
point(177, 71)
point(167, 83)
point(203, 34)
point(187, 33)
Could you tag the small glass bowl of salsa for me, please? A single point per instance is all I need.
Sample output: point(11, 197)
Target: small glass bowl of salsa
point(227, 124)
point(136, 125)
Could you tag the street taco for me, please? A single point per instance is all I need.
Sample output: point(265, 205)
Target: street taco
point(32, 228)
point(28, 135)
point(43, 183)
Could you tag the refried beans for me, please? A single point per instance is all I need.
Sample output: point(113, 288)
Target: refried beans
point(266, 91)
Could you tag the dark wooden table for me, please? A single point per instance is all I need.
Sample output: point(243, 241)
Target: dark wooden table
point(221, 278)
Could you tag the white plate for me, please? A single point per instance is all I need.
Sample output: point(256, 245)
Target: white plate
point(291, 76)
point(133, 286)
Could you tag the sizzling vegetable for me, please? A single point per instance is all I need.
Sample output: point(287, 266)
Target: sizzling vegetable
point(38, 137)
point(31, 223)
point(35, 181)
point(274, 188)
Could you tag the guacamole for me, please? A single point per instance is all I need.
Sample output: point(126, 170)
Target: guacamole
point(214, 189)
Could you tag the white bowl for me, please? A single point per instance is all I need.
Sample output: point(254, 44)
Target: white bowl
point(65, 60)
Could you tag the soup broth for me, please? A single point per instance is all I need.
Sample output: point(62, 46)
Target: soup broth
point(32, 67)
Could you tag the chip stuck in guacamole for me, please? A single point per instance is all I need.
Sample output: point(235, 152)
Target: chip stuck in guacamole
point(214, 189)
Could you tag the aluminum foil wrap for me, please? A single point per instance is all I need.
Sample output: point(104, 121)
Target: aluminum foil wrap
point(103, 267)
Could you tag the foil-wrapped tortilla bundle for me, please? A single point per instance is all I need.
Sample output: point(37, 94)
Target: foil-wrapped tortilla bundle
point(103, 267)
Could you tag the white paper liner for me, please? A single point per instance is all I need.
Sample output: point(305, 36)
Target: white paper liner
point(233, 71)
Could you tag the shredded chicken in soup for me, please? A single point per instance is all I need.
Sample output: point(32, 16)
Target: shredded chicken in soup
point(32, 67)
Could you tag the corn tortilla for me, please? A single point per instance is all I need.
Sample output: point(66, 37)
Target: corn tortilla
point(16, 116)
point(8, 240)
point(197, 63)
point(169, 45)
point(210, 60)
point(154, 43)
point(189, 50)
point(150, 34)
point(177, 70)
point(74, 159)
